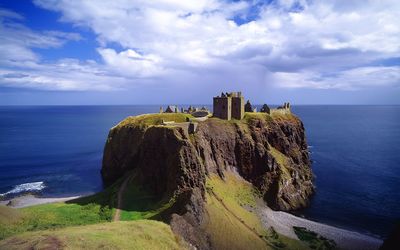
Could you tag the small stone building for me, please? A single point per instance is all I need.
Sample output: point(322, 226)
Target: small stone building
point(171, 109)
point(265, 109)
point(248, 107)
point(228, 106)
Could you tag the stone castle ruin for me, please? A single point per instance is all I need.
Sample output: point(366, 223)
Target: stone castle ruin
point(228, 106)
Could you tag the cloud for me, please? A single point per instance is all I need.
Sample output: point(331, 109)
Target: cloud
point(352, 79)
point(21, 67)
point(64, 75)
point(293, 44)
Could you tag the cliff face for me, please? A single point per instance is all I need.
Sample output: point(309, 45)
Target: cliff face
point(269, 151)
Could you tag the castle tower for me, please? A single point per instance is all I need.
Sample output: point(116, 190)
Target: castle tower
point(222, 106)
point(237, 106)
point(229, 105)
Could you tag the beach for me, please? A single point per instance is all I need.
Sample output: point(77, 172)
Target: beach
point(284, 222)
point(31, 200)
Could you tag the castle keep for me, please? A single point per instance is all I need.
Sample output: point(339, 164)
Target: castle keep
point(228, 106)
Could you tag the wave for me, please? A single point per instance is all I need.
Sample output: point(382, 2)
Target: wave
point(26, 187)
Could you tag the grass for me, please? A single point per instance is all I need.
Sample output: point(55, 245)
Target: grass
point(54, 215)
point(232, 222)
point(314, 240)
point(142, 234)
point(153, 119)
point(91, 209)
point(140, 204)
point(230, 225)
point(282, 160)
point(100, 207)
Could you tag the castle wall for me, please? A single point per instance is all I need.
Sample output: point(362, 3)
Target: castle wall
point(222, 107)
point(238, 107)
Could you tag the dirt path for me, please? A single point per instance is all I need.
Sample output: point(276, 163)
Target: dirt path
point(121, 190)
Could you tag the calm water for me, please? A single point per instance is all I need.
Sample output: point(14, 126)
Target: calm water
point(57, 151)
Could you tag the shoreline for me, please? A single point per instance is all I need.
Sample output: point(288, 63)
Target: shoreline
point(32, 200)
point(284, 222)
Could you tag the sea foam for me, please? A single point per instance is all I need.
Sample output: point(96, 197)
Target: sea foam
point(26, 187)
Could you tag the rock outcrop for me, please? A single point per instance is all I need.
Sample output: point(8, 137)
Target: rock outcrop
point(270, 151)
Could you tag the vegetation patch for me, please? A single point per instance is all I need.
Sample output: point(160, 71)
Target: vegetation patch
point(232, 221)
point(138, 203)
point(153, 119)
point(143, 234)
point(314, 240)
point(282, 160)
point(82, 211)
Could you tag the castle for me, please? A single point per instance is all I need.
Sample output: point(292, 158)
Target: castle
point(228, 106)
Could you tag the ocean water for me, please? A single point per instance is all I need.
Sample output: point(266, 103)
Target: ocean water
point(56, 151)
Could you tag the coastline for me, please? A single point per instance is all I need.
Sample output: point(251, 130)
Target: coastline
point(284, 222)
point(32, 200)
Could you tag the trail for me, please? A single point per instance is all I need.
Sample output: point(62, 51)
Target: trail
point(121, 190)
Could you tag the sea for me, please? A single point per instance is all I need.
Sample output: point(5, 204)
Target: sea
point(56, 151)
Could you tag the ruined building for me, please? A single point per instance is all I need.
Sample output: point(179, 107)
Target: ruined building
point(265, 109)
point(229, 105)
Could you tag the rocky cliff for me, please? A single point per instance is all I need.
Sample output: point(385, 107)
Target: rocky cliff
point(269, 151)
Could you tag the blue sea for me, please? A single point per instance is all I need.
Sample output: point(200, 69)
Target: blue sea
point(56, 151)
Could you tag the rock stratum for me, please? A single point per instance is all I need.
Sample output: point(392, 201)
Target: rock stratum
point(268, 151)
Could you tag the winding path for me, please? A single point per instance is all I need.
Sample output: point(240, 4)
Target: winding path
point(121, 190)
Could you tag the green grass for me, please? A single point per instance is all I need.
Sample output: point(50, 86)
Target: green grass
point(143, 234)
point(100, 207)
point(314, 240)
point(282, 160)
point(82, 211)
point(153, 119)
point(140, 204)
point(232, 224)
point(55, 215)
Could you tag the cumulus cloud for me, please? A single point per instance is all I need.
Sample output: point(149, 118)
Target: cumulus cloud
point(294, 43)
point(21, 67)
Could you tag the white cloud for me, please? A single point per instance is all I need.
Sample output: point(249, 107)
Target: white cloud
point(298, 44)
point(352, 79)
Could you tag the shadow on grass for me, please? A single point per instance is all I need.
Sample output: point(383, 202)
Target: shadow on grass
point(136, 202)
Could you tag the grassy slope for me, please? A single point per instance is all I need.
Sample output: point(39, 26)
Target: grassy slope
point(153, 119)
point(231, 223)
point(92, 209)
point(143, 234)
point(97, 208)
point(139, 204)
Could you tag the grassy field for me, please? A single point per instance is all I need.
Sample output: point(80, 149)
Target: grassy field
point(137, 204)
point(142, 234)
point(153, 119)
point(91, 209)
point(49, 216)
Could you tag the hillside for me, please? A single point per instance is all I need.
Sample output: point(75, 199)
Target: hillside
point(171, 173)
point(211, 188)
point(143, 234)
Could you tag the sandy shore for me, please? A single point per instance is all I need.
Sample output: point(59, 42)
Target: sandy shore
point(31, 200)
point(284, 222)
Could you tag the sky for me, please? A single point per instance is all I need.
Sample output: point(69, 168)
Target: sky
point(81, 52)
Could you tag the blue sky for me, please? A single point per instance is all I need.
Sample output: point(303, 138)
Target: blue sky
point(171, 51)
